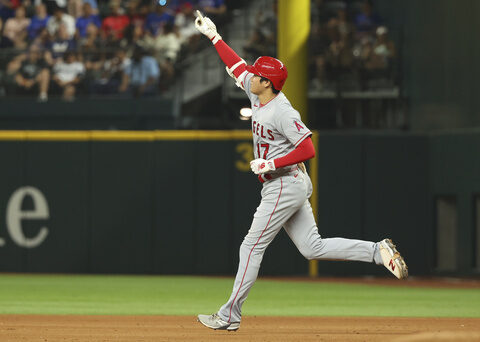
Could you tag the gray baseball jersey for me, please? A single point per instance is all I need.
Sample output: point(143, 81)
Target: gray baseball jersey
point(277, 130)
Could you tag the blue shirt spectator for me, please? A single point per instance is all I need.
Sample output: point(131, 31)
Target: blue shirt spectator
point(155, 21)
point(38, 22)
point(217, 7)
point(367, 20)
point(175, 5)
point(140, 72)
point(140, 77)
point(87, 18)
point(210, 3)
point(61, 44)
point(7, 9)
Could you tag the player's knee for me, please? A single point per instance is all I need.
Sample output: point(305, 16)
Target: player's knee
point(307, 252)
point(312, 251)
point(252, 247)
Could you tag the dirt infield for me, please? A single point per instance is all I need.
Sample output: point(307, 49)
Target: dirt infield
point(180, 328)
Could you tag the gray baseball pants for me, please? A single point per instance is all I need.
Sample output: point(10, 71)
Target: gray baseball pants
point(285, 204)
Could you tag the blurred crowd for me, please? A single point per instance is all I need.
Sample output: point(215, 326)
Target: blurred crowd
point(350, 47)
point(116, 47)
point(134, 47)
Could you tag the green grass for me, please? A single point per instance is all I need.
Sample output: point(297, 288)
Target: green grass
point(172, 295)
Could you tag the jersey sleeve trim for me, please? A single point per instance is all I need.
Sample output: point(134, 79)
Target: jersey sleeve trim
point(306, 135)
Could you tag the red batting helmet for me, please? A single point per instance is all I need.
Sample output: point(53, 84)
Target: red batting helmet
point(270, 68)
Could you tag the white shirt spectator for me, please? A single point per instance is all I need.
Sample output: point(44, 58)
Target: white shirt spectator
point(186, 27)
point(164, 45)
point(67, 72)
point(59, 3)
point(67, 20)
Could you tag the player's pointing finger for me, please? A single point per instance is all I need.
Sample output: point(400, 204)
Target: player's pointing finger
point(199, 14)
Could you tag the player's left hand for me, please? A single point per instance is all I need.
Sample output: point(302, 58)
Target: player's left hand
point(260, 166)
point(206, 26)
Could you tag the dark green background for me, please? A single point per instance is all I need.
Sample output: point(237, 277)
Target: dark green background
point(439, 52)
point(182, 207)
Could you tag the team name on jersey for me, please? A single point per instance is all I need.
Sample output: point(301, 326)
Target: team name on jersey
point(259, 130)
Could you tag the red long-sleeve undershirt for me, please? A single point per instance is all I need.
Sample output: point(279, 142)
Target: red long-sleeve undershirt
point(229, 57)
point(303, 152)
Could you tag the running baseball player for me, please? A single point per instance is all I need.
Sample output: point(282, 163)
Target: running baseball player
point(282, 142)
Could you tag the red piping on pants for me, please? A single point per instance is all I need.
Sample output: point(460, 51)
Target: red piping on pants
point(256, 243)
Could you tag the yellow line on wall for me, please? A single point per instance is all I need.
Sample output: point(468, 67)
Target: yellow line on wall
point(124, 135)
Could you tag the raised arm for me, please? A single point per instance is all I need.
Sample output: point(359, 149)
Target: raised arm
point(234, 64)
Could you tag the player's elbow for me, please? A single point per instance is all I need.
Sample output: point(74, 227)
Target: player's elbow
point(308, 148)
point(310, 151)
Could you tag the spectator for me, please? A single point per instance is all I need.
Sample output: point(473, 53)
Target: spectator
point(383, 49)
point(141, 76)
point(378, 57)
point(91, 42)
point(339, 56)
point(93, 4)
point(366, 22)
point(114, 24)
point(14, 65)
point(91, 48)
point(43, 41)
point(60, 45)
point(33, 76)
point(157, 19)
point(165, 46)
point(15, 30)
point(52, 5)
point(7, 9)
point(39, 21)
point(76, 10)
point(67, 75)
point(185, 22)
point(344, 26)
point(214, 9)
point(87, 18)
point(58, 19)
point(176, 5)
point(137, 11)
point(111, 73)
point(165, 49)
point(134, 36)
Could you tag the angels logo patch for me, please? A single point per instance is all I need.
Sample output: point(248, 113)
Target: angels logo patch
point(299, 127)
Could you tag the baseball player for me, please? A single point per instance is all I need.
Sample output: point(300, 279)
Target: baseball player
point(281, 144)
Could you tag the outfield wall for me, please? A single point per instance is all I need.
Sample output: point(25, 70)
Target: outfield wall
point(180, 202)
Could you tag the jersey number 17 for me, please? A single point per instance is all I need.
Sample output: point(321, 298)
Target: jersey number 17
point(265, 152)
